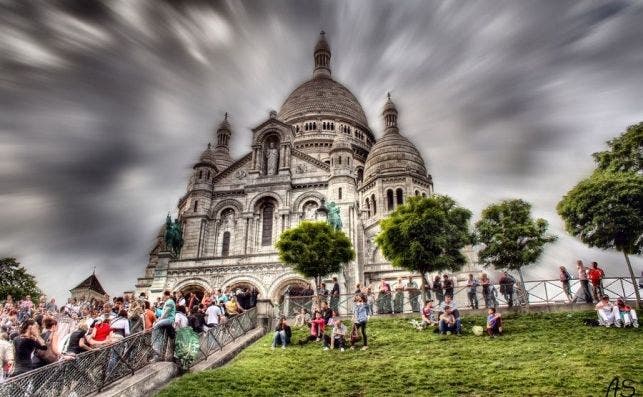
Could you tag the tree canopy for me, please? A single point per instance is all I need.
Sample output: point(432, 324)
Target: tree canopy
point(16, 281)
point(511, 238)
point(604, 211)
point(426, 235)
point(625, 153)
point(315, 249)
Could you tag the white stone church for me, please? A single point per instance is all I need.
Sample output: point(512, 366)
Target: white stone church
point(318, 148)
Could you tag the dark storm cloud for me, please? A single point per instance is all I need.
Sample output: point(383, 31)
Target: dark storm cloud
point(105, 106)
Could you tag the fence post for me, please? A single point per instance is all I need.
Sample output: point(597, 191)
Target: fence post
point(546, 294)
point(622, 288)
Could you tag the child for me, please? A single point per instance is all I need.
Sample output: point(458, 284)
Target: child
point(337, 335)
point(428, 316)
point(494, 323)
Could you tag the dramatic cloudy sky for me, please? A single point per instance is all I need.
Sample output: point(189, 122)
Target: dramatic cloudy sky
point(104, 108)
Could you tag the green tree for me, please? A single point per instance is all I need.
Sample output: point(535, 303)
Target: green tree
point(625, 152)
point(426, 235)
point(15, 281)
point(605, 211)
point(314, 249)
point(511, 239)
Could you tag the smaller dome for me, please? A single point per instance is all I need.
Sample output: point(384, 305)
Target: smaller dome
point(394, 153)
point(208, 156)
point(341, 142)
point(222, 159)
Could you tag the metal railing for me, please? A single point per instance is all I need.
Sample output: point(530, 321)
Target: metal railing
point(537, 292)
point(215, 339)
point(87, 372)
point(93, 370)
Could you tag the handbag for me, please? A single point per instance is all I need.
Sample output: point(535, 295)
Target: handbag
point(355, 336)
point(46, 356)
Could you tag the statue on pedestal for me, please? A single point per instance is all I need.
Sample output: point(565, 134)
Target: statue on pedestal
point(334, 217)
point(173, 235)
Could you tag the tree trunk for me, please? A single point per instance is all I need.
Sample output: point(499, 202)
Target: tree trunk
point(634, 284)
point(522, 282)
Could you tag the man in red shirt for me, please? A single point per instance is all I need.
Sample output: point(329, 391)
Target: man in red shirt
point(596, 275)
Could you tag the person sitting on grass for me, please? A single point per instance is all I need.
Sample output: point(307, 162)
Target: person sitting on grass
point(448, 322)
point(283, 333)
point(325, 311)
point(317, 327)
point(607, 312)
point(494, 323)
point(626, 316)
point(338, 334)
point(302, 319)
point(428, 314)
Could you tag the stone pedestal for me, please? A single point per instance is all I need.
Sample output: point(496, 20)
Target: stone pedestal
point(160, 274)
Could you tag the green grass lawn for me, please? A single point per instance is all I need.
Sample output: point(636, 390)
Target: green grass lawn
point(543, 354)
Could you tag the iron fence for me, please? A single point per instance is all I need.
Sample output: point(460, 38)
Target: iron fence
point(216, 338)
point(87, 372)
point(91, 371)
point(538, 292)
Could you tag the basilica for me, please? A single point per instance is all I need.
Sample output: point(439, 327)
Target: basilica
point(317, 149)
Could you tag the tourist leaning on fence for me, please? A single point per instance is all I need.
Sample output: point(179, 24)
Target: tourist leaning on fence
point(584, 283)
point(472, 292)
point(565, 279)
point(595, 275)
point(165, 323)
point(360, 318)
point(282, 335)
point(78, 342)
point(120, 325)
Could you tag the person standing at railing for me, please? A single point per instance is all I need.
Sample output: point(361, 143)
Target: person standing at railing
point(447, 284)
point(507, 288)
point(384, 298)
point(584, 283)
point(213, 315)
point(472, 293)
point(398, 300)
point(565, 279)
point(334, 296)
point(596, 275)
point(370, 301)
point(414, 294)
point(437, 289)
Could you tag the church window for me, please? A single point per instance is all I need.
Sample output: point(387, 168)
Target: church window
point(225, 245)
point(207, 175)
point(266, 231)
point(368, 207)
point(423, 194)
point(348, 160)
point(332, 126)
point(339, 160)
point(297, 128)
point(360, 174)
point(374, 204)
point(417, 192)
point(389, 200)
point(200, 174)
point(196, 205)
point(339, 193)
point(314, 126)
point(399, 193)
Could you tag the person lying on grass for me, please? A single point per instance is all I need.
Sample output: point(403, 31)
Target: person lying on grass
point(494, 322)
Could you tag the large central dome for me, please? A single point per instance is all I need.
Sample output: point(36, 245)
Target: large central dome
point(322, 96)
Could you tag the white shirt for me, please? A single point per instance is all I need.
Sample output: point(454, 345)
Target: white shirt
point(120, 323)
point(180, 320)
point(212, 314)
point(452, 306)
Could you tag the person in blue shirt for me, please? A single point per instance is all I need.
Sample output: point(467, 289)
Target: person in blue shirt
point(360, 318)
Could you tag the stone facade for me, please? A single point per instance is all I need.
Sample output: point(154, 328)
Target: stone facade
point(318, 148)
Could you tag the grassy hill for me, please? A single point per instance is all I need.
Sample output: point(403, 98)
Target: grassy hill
point(543, 354)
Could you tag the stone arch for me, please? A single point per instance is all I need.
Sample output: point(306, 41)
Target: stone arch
point(220, 206)
point(259, 196)
point(278, 286)
point(193, 281)
point(270, 132)
point(308, 196)
point(246, 279)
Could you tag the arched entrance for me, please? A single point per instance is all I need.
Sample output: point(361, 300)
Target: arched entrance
point(299, 296)
point(246, 293)
point(195, 289)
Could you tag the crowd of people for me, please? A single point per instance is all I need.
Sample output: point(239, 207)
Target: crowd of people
point(37, 333)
